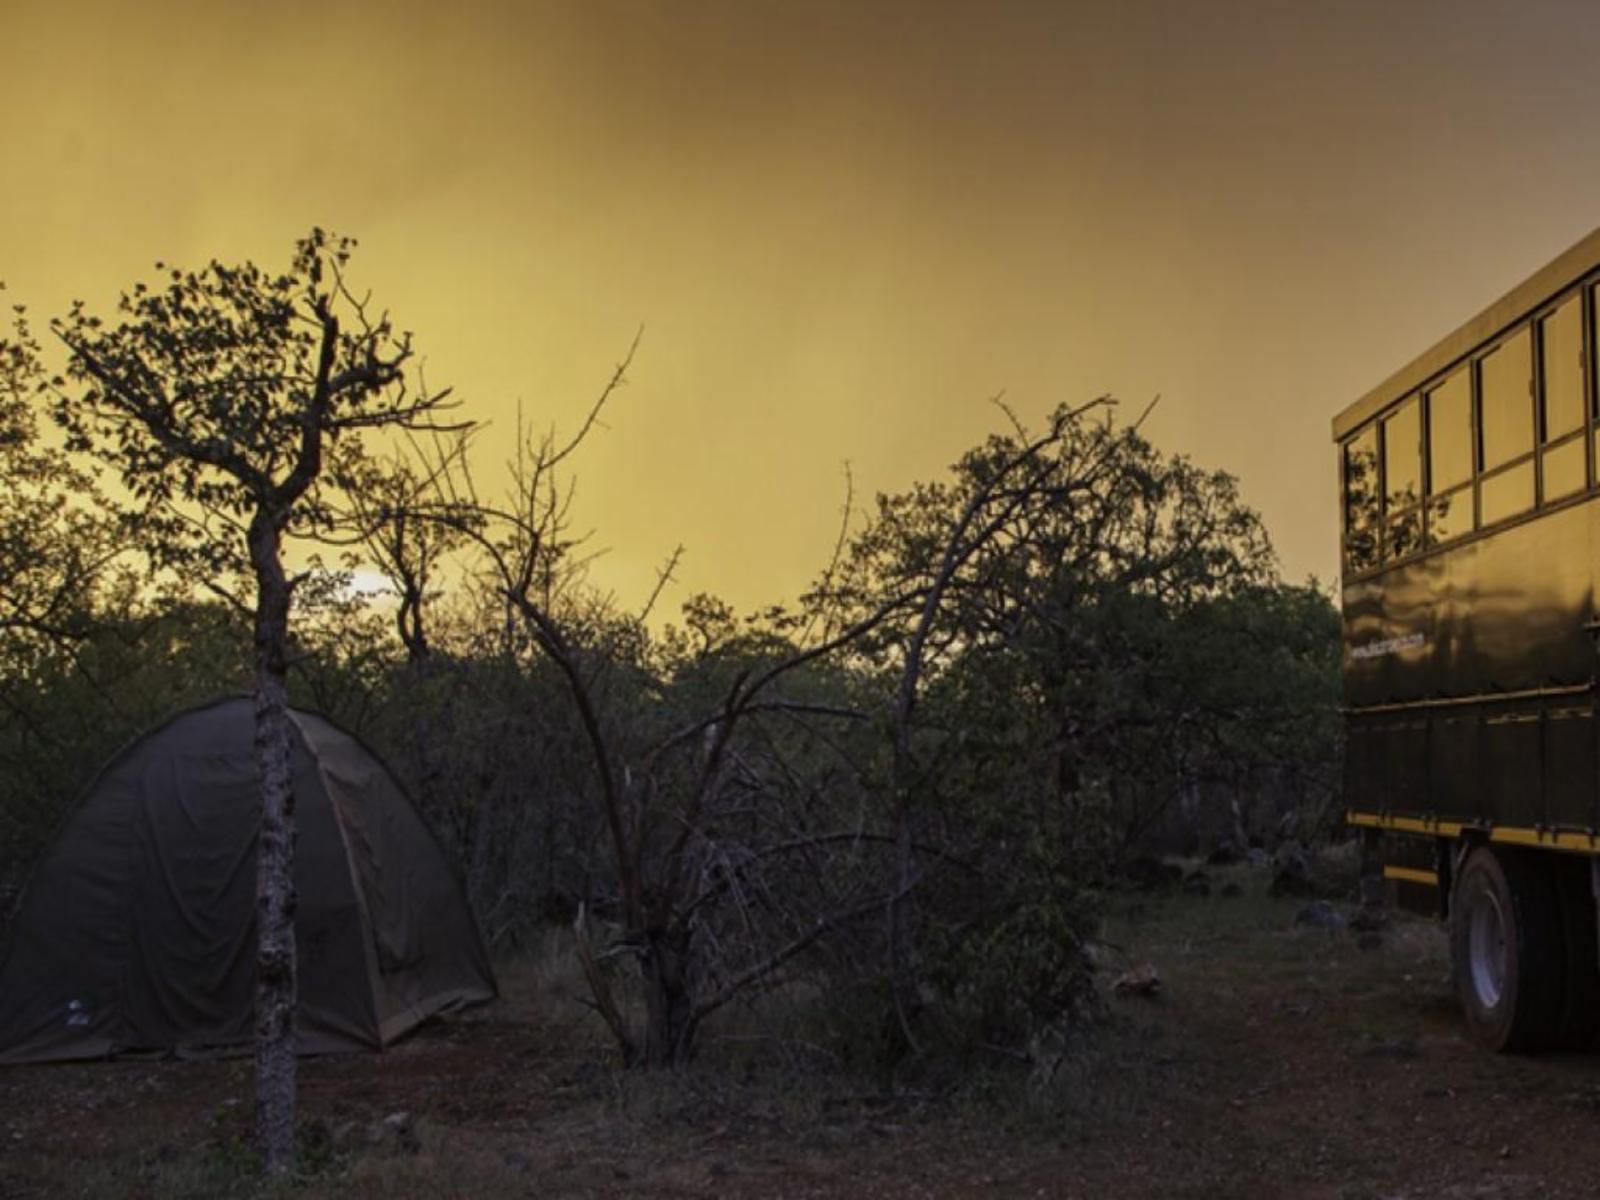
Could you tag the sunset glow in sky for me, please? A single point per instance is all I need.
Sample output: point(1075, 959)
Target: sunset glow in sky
point(842, 224)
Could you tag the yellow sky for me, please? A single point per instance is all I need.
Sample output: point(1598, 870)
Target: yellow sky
point(843, 224)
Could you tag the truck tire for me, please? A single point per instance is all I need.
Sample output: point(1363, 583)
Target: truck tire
point(1508, 950)
point(1580, 1012)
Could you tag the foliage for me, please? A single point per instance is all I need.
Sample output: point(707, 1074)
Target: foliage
point(232, 404)
point(57, 546)
point(1117, 641)
point(901, 799)
point(231, 391)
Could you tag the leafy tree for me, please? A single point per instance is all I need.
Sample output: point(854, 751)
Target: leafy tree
point(232, 402)
point(57, 543)
point(1103, 645)
point(64, 585)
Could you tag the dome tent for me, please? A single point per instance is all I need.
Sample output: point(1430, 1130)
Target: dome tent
point(137, 931)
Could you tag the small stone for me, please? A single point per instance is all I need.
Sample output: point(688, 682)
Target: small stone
point(1393, 1047)
point(1141, 981)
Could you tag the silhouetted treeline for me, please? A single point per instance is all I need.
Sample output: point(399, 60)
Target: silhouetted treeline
point(1112, 658)
point(878, 819)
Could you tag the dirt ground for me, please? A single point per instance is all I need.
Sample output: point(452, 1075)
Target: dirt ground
point(1277, 1060)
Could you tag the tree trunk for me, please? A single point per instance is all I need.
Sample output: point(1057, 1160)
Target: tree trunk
point(275, 896)
point(666, 999)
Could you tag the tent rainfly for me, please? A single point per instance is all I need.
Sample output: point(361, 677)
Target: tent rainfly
point(137, 932)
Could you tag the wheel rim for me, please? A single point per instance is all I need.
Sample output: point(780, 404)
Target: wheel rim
point(1486, 948)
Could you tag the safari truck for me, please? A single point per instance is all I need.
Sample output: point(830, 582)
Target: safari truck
point(1471, 597)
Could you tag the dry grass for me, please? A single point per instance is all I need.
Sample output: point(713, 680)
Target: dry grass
point(1269, 1065)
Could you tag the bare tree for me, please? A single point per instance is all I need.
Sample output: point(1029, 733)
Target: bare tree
point(726, 859)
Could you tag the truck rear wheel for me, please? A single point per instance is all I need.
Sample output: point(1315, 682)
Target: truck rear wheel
point(1508, 949)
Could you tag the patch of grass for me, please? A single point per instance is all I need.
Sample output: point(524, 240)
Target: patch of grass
point(527, 1098)
point(164, 1171)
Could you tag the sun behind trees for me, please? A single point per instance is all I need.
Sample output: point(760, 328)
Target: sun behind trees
point(875, 824)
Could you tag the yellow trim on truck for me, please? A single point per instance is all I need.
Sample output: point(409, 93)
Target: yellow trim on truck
point(1515, 835)
point(1412, 875)
point(1449, 829)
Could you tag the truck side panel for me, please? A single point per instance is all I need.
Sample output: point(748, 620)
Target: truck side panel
point(1469, 680)
point(1502, 613)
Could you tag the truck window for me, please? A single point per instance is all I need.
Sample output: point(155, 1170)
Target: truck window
point(1505, 379)
point(1361, 501)
point(1402, 480)
point(1450, 433)
point(1565, 469)
point(1449, 516)
point(1402, 457)
point(1561, 357)
point(1504, 495)
point(1450, 457)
